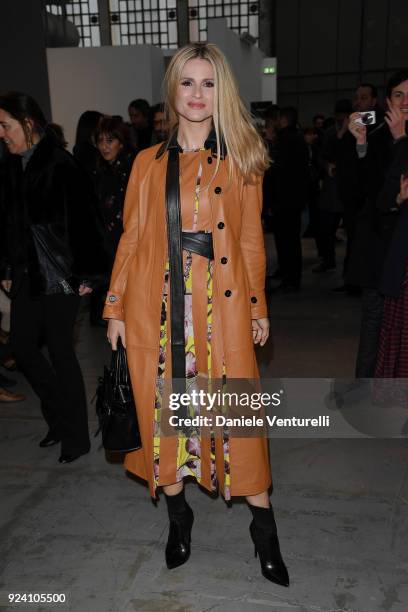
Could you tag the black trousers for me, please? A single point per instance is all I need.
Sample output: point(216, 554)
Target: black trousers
point(371, 318)
point(286, 228)
point(328, 223)
point(313, 195)
point(58, 384)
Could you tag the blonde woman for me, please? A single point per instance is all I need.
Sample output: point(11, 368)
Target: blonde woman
point(203, 286)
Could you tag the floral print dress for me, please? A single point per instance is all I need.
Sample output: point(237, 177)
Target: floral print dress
point(189, 445)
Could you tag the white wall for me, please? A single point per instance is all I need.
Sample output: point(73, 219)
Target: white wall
point(105, 79)
point(246, 60)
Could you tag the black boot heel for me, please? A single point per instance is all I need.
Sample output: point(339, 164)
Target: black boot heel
point(179, 540)
point(272, 565)
point(265, 539)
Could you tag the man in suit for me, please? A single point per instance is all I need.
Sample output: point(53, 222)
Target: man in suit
point(289, 179)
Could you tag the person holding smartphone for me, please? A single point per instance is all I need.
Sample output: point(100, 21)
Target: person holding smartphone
point(51, 227)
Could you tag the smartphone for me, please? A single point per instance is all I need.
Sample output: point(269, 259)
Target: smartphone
point(366, 118)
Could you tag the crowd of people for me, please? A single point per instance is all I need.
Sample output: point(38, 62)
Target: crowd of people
point(337, 170)
point(70, 225)
point(103, 154)
point(351, 168)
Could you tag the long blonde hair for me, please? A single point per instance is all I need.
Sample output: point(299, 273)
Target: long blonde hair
point(247, 154)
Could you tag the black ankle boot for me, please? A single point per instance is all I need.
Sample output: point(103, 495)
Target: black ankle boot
point(181, 521)
point(265, 537)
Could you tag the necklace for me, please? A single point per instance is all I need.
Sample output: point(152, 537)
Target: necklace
point(192, 150)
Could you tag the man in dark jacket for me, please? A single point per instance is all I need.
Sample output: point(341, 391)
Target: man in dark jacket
point(349, 186)
point(330, 204)
point(140, 128)
point(289, 180)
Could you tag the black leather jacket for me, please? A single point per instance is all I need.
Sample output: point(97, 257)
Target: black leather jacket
point(53, 192)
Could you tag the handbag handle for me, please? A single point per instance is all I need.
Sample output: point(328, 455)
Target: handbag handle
point(119, 367)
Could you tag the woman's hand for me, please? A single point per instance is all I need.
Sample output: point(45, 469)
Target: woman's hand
point(395, 120)
point(260, 330)
point(6, 284)
point(84, 290)
point(403, 194)
point(116, 329)
point(358, 130)
point(331, 169)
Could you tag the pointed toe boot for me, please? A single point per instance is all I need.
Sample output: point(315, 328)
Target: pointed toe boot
point(267, 546)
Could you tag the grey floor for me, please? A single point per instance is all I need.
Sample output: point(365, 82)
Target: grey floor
point(90, 532)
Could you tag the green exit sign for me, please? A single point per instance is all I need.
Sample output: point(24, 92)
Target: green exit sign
point(269, 70)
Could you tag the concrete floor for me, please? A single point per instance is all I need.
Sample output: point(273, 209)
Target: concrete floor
point(341, 505)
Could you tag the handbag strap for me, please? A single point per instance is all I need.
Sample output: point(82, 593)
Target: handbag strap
point(175, 249)
point(119, 366)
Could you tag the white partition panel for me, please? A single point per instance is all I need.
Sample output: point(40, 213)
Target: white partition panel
point(246, 60)
point(105, 79)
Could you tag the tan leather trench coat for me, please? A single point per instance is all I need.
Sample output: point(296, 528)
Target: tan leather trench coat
point(135, 296)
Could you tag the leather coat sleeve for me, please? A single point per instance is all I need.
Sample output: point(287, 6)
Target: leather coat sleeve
point(126, 249)
point(252, 247)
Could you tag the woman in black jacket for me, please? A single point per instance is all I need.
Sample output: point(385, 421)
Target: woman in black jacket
point(53, 253)
point(111, 177)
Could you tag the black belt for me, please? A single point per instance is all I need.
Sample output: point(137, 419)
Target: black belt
point(196, 242)
point(200, 243)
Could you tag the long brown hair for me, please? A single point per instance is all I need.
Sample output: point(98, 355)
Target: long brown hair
point(232, 122)
point(24, 109)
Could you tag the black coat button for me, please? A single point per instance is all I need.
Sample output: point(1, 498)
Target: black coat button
point(228, 293)
point(221, 225)
point(217, 190)
point(254, 300)
point(209, 159)
point(224, 260)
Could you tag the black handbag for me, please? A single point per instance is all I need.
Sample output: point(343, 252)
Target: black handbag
point(115, 406)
